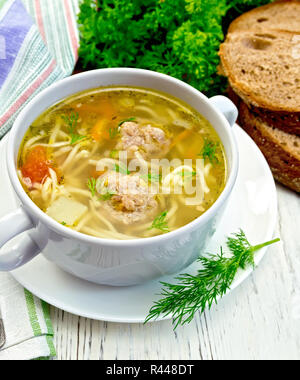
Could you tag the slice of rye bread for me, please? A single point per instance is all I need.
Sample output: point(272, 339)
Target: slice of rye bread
point(287, 122)
point(263, 68)
point(284, 15)
point(281, 149)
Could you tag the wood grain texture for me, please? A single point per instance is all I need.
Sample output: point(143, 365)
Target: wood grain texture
point(259, 320)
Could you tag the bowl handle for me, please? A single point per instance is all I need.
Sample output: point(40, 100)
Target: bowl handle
point(226, 107)
point(20, 253)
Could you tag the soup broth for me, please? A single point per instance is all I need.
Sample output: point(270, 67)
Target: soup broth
point(122, 163)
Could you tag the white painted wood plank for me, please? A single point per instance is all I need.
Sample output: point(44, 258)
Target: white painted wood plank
point(84, 339)
point(259, 320)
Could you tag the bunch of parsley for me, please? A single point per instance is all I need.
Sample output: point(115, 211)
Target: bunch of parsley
point(180, 38)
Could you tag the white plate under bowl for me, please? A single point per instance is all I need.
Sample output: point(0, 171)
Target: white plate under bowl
point(253, 207)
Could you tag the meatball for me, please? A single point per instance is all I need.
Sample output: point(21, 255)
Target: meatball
point(150, 141)
point(131, 199)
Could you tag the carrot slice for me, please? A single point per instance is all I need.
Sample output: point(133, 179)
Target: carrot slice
point(103, 108)
point(106, 111)
point(185, 134)
point(36, 166)
point(100, 130)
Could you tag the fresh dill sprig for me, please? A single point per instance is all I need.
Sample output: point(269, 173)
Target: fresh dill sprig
point(209, 152)
point(72, 121)
point(196, 293)
point(160, 223)
point(92, 185)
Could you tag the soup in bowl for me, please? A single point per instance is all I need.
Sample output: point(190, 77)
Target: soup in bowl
point(122, 163)
point(123, 175)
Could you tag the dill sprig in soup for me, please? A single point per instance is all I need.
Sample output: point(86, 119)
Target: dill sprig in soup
point(122, 163)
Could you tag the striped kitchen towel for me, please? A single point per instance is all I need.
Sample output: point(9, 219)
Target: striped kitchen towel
point(38, 46)
point(27, 329)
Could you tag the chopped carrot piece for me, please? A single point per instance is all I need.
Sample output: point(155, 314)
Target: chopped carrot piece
point(103, 108)
point(100, 130)
point(36, 166)
point(106, 112)
point(193, 151)
point(185, 134)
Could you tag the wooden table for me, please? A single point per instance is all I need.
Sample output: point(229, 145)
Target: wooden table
point(259, 320)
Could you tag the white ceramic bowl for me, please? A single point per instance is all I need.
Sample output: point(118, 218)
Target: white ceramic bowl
point(113, 262)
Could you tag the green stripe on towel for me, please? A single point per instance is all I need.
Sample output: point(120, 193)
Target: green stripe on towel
point(32, 314)
point(46, 312)
point(49, 337)
point(51, 346)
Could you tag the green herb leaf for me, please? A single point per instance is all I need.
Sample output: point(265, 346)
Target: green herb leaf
point(107, 196)
point(195, 293)
point(126, 121)
point(92, 185)
point(114, 132)
point(75, 138)
point(180, 38)
point(64, 223)
point(72, 121)
point(209, 152)
point(160, 223)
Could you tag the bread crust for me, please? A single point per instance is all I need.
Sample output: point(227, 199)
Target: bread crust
point(244, 91)
point(272, 123)
point(285, 121)
point(288, 122)
point(257, 12)
point(284, 164)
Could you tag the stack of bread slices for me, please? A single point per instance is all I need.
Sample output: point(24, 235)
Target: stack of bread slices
point(261, 59)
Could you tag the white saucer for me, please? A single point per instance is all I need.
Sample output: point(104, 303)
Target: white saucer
point(253, 207)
